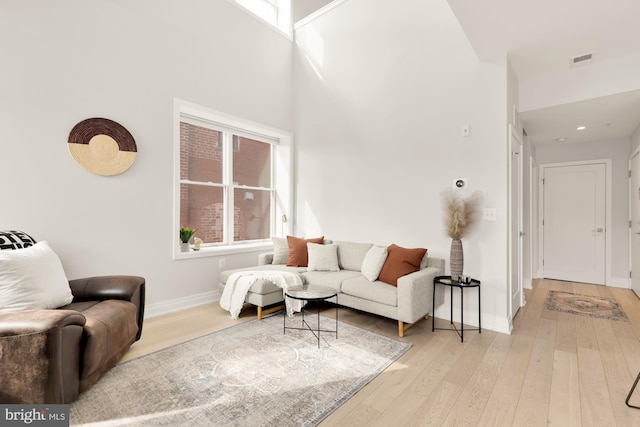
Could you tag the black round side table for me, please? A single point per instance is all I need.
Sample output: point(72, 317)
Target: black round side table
point(447, 281)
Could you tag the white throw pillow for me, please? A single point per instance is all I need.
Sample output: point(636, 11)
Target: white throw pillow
point(32, 279)
point(322, 257)
point(373, 262)
point(280, 250)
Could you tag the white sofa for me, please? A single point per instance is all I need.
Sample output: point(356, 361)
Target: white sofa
point(408, 302)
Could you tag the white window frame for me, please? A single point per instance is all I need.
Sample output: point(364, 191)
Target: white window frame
point(281, 177)
point(282, 13)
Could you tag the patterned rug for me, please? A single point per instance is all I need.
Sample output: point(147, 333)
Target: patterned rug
point(586, 305)
point(250, 374)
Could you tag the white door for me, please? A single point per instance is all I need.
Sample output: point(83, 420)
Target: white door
point(574, 223)
point(515, 222)
point(634, 202)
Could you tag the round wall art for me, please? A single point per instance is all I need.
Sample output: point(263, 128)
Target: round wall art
point(102, 146)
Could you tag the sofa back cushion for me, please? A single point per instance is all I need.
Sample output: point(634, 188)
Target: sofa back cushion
point(351, 254)
point(400, 262)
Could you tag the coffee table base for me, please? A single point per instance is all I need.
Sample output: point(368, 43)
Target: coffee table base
point(305, 324)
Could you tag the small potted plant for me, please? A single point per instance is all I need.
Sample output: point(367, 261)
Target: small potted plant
point(185, 235)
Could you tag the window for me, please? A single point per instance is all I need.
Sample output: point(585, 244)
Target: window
point(226, 179)
point(274, 12)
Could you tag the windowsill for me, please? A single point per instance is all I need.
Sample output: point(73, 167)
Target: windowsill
point(222, 250)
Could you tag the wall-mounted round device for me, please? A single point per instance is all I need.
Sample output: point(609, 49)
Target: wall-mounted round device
point(460, 182)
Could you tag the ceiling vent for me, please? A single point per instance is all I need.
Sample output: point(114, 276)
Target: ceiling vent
point(582, 59)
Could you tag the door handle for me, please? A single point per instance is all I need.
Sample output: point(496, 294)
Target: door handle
point(598, 230)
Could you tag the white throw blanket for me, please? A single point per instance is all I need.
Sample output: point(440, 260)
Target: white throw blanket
point(238, 284)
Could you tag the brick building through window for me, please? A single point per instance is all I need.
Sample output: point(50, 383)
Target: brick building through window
point(220, 169)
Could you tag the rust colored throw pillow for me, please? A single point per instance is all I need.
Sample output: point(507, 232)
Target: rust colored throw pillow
point(298, 255)
point(400, 262)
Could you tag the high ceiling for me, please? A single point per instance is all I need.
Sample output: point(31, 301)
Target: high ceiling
point(541, 37)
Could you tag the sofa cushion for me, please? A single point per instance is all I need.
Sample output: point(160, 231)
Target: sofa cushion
point(280, 250)
point(400, 262)
point(298, 256)
point(351, 254)
point(111, 327)
point(322, 257)
point(373, 262)
point(32, 278)
point(332, 279)
point(376, 291)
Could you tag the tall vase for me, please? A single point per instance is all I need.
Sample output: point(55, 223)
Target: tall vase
point(456, 258)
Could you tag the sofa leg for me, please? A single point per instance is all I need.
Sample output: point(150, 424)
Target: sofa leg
point(262, 312)
point(402, 327)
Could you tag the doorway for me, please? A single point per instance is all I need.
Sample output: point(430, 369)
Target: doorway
point(574, 222)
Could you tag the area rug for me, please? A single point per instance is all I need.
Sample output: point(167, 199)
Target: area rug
point(586, 305)
point(250, 374)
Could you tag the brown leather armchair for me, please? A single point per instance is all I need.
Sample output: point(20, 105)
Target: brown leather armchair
point(51, 356)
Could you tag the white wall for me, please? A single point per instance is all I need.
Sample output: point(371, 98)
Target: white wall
point(635, 141)
point(618, 151)
point(69, 60)
point(379, 106)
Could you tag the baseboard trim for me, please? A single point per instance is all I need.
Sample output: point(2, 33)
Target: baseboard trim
point(489, 322)
point(619, 282)
point(178, 304)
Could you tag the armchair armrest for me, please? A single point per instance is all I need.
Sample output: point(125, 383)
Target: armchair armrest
point(34, 321)
point(105, 287)
point(40, 355)
point(128, 288)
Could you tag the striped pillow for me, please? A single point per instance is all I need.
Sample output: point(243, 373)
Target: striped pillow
point(14, 239)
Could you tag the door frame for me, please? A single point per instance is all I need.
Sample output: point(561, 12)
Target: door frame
point(514, 137)
point(608, 279)
point(533, 241)
point(635, 153)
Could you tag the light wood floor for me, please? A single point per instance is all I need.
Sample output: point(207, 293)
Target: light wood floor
point(554, 369)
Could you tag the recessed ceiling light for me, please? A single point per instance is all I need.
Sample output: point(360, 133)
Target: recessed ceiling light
point(581, 127)
point(561, 139)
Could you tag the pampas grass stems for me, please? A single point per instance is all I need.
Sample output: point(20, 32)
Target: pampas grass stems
point(461, 213)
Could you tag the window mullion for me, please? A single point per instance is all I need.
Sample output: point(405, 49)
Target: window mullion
point(229, 203)
point(272, 220)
